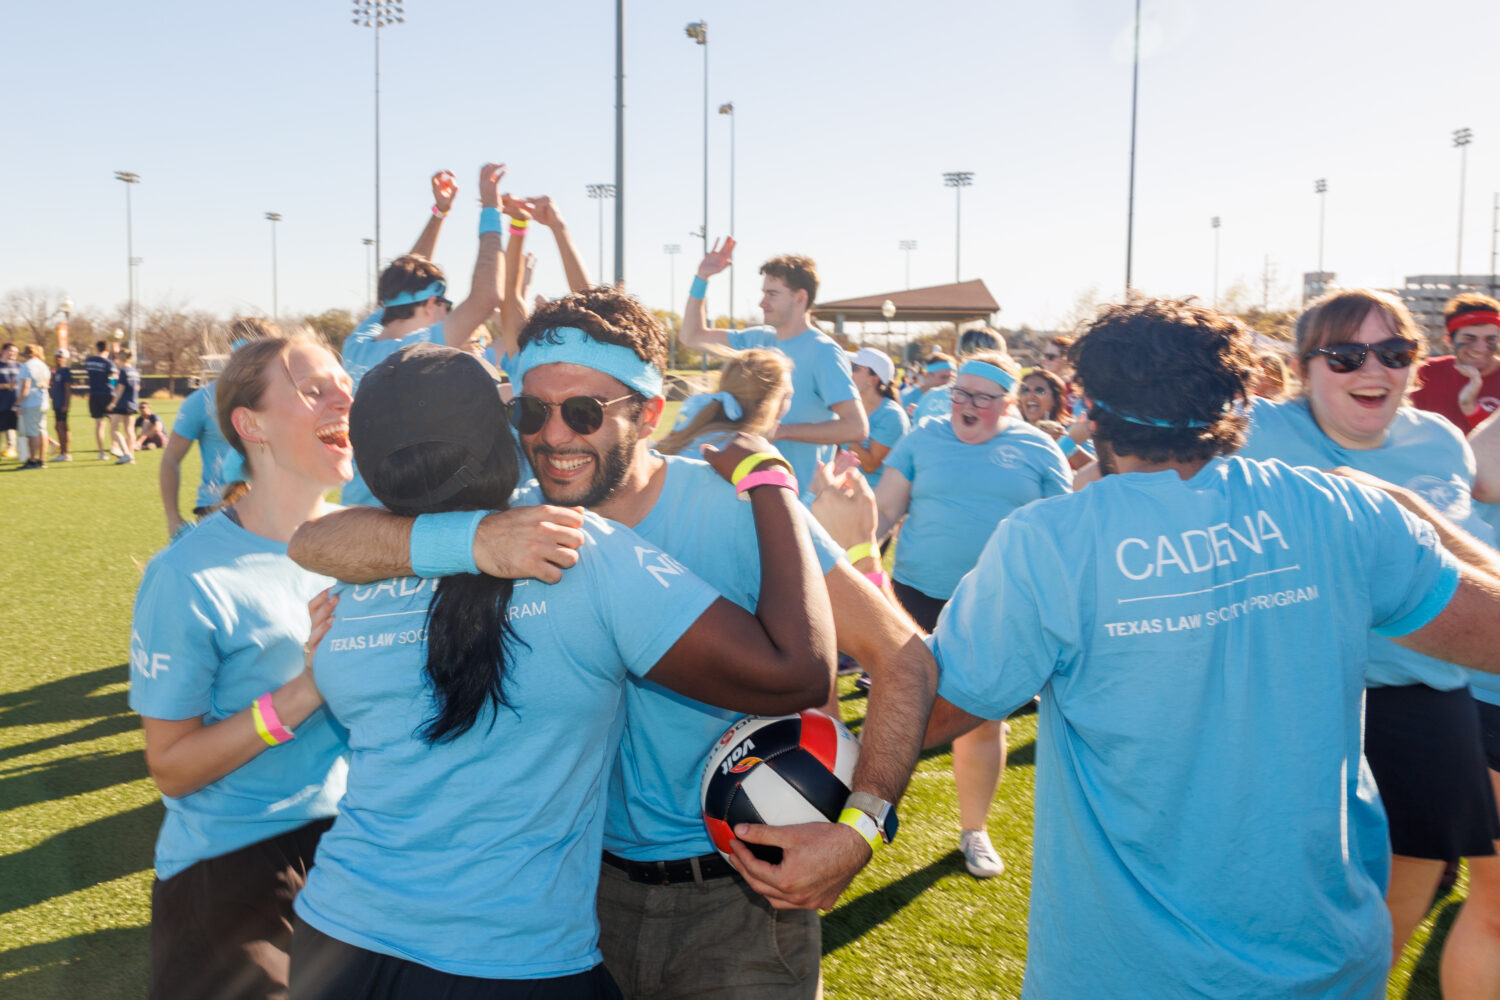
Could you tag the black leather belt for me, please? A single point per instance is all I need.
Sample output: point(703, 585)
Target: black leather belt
point(698, 869)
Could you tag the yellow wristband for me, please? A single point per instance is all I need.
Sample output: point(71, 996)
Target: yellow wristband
point(748, 465)
point(260, 725)
point(860, 551)
point(864, 825)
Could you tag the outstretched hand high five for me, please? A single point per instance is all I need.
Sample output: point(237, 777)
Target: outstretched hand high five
point(490, 176)
point(516, 208)
point(718, 258)
point(444, 187)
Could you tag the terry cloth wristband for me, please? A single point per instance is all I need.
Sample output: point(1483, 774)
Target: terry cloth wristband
point(766, 477)
point(994, 373)
point(864, 824)
point(268, 723)
point(570, 345)
point(1067, 445)
point(860, 551)
point(750, 462)
point(489, 220)
point(443, 544)
point(700, 287)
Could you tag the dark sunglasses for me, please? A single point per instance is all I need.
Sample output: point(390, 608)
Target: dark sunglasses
point(1398, 352)
point(446, 304)
point(582, 414)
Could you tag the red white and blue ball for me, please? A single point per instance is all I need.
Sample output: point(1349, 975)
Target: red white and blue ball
point(777, 770)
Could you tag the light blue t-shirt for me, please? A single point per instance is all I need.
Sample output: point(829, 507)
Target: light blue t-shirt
point(820, 379)
point(220, 619)
point(363, 350)
point(198, 420)
point(910, 395)
point(959, 492)
point(1199, 647)
point(888, 424)
point(655, 813)
point(936, 402)
point(1424, 453)
point(480, 856)
point(35, 372)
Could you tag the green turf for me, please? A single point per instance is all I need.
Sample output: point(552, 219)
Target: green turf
point(78, 816)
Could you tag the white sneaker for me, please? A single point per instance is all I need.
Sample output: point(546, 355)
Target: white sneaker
point(979, 854)
point(103, 456)
point(62, 458)
point(124, 460)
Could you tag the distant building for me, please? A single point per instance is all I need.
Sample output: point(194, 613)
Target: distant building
point(1425, 295)
point(1315, 283)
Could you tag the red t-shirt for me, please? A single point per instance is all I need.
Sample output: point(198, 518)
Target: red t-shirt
point(1441, 386)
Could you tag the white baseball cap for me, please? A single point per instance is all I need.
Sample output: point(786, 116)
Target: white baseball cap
point(877, 361)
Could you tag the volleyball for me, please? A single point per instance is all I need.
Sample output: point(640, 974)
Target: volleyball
point(777, 770)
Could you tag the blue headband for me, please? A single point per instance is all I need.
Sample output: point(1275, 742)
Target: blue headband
point(694, 405)
point(434, 290)
point(238, 344)
point(569, 345)
point(1131, 418)
point(994, 373)
point(938, 366)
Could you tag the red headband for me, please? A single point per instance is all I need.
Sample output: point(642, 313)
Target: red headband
point(1478, 317)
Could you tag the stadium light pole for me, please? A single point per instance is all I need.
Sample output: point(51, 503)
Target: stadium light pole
point(377, 14)
point(369, 272)
point(1461, 138)
point(1215, 224)
point(958, 180)
point(1135, 84)
point(599, 192)
point(907, 246)
point(672, 250)
point(1320, 188)
point(130, 179)
point(728, 109)
point(698, 32)
point(273, 218)
point(619, 145)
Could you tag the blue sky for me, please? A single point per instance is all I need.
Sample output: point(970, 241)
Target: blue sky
point(847, 116)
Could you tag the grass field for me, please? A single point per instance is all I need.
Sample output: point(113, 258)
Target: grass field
point(78, 816)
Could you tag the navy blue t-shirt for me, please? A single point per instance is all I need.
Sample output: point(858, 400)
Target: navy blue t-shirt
point(101, 374)
point(61, 388)
point(10, 381)
point(130, 378)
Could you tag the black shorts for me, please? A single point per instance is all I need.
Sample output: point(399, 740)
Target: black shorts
point(1489, 731)
point(60, 419)
point(1424, 749)
point(223, 927)
point(9, 420)
point(924, 610)
point(99, 406)
point(325, 968)
point(123, 410)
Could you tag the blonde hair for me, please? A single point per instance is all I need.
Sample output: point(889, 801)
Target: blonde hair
point(243, 383)
point(758, 379)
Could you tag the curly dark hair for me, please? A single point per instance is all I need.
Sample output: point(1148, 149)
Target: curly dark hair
point(606, 314)
point(1170, 361)
point(410, 272)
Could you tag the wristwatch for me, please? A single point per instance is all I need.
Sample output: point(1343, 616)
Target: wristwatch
point(872, 817)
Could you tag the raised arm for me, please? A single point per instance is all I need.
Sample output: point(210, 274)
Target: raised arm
point(365, 544)
point(781, 658)
point(696, 332)
point(513, 309)
point(484, 290)
point(443, 190)
point(544, 211)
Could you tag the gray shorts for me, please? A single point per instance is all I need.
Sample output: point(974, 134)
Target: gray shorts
point(32, 422)
point(717, 938)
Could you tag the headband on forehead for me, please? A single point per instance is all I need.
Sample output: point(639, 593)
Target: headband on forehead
point(432, 291)
point(1139, 421)
point(938, 366)
point(994, 373)
point(569, 345)
point(1478, 317)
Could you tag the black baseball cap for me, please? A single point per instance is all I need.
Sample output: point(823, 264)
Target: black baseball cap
point(426, 394)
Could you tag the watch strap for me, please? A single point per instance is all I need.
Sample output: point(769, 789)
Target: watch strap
point(878, 809)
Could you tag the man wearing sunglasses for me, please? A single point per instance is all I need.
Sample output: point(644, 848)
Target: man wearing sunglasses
point(674, 917)
point(1465, 386)
point(414, 303)
point(825, 409)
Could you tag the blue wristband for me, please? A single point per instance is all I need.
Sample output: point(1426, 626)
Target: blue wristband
point(700, 287)
point(489, 220)
point(443, 544)
point(1068, 446)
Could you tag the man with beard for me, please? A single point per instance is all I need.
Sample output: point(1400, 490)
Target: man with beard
point(675, 919)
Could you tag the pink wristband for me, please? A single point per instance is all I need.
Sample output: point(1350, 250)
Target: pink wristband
point(439, 212)
point(878, 578)
point(273, 721)
point(766, 477)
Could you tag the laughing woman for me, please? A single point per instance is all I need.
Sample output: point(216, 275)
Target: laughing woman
point(1356, 349)
point(219, 678)
point(953, 479)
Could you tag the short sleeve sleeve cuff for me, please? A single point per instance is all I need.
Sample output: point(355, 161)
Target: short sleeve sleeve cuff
point(1432, 603)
